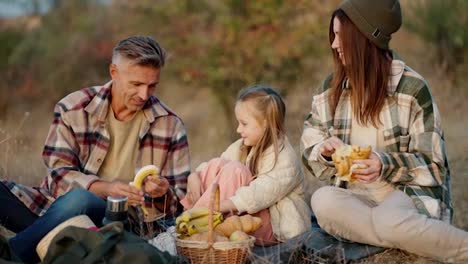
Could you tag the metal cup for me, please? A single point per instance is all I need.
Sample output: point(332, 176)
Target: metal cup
point(116, 210)
point(117, 204)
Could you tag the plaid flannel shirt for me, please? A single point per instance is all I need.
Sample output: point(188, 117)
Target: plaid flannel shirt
point(414, 160)
point(78, 142)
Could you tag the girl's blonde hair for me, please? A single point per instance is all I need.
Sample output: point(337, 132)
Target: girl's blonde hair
point(270, 107)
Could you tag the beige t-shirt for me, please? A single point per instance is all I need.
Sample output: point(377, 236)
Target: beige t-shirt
point(120, 161)
point(365, 135)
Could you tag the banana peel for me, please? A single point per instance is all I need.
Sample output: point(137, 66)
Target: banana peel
point(145, 171)
point(139, 179)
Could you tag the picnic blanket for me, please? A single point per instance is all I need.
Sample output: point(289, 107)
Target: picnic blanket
point(314, 246)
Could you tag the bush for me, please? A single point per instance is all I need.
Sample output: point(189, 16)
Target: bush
point(444, 24)
point(224, 46)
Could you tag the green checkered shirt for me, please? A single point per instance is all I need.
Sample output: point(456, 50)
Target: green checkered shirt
point(414, 159)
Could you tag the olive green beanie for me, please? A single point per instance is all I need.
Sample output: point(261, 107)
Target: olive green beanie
point(377, 20)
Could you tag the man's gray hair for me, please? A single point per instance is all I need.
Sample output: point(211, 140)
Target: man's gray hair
point(141, 50)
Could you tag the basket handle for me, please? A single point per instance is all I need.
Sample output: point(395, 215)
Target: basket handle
point(214, 201)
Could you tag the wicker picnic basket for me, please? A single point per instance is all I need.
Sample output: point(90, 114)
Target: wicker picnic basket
point(215, 252)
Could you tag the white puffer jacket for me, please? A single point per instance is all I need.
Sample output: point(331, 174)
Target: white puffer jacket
point(279, 188)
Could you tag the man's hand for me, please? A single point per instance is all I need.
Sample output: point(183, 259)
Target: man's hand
point(372, 172)
point(118, 188)
point(329, 146)
point(156, 187)
point(194, 187)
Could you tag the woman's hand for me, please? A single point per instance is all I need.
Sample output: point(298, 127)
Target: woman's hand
point(329, 146)
point(156, 187)
point(371, 173)
point(194, 187)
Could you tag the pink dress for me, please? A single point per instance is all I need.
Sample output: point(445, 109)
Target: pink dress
point(231, 175)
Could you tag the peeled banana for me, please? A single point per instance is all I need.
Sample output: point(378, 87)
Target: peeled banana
point(145, 171)
point(142, 173)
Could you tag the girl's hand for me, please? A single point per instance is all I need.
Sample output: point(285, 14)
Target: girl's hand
point(329, 146)
point(227, 206)
point(371, 173)
point(194, 187)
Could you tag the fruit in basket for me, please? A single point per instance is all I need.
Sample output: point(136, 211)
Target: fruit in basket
point(182, 228)
point(238, 235)
point(203, 236)
point(343, 159)
point(245, 223)
point(193, 213)
point(195, 221)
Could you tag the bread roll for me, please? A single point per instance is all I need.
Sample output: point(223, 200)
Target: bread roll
point(343, 159)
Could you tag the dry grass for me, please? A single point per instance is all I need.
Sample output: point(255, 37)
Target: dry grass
point(395, 256)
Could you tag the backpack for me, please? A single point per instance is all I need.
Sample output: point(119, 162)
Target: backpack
point(111, 244)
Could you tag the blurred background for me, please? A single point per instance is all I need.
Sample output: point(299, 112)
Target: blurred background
point(49, 48)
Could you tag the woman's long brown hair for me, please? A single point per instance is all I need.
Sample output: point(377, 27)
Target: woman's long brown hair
point(367, 68)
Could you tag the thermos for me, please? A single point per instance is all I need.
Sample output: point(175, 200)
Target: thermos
point(116, 211)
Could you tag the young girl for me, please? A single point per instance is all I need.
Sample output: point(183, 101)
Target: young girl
point(402, 198)
point(258, 174)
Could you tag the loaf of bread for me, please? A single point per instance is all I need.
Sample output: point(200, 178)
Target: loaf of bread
point(343, 159)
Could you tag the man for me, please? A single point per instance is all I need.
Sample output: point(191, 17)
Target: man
point(98, 138)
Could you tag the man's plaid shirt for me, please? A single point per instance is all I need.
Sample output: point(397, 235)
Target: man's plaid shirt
point(78, 141)
point(414, 160)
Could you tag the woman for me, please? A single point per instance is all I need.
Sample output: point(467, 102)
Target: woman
point(401, 198)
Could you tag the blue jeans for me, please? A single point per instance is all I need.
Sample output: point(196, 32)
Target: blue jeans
point(73, 203)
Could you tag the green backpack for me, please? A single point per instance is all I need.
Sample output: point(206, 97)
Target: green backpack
point(111, 244)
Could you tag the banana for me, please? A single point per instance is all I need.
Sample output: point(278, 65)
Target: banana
point(203, 221)
point(139, 178)
point(217, 221)
point(196, 220)
point(198, 212)
point(182, 228)
point(142, 173)
point(202, 226)
point(192, 229)
point(193, 213)
point(184, 217)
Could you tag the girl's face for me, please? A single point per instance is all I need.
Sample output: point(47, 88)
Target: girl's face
point(249, 128)
point(336, 44)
